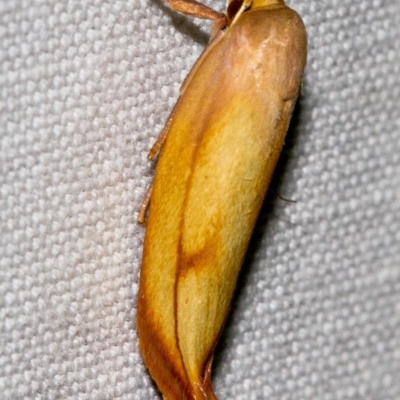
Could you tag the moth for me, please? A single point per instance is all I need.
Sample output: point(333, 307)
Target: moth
point(218, 152)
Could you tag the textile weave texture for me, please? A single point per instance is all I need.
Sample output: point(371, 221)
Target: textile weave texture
point(85, 88)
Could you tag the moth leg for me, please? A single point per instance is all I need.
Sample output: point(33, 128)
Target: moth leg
point(283, 198)
point(195, 9)
point(245, 5)
point(161, 138)
point(145, 206)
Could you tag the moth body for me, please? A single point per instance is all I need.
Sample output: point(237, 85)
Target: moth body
point(222, 143)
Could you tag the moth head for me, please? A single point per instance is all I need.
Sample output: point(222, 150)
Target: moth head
point(237, 7)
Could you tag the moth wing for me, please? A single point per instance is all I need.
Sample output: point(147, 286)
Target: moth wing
point(212, 175)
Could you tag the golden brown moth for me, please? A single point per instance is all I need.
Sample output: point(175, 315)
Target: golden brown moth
point(218, 152)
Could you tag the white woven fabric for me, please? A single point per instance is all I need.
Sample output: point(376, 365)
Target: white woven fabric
point(85, 87)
